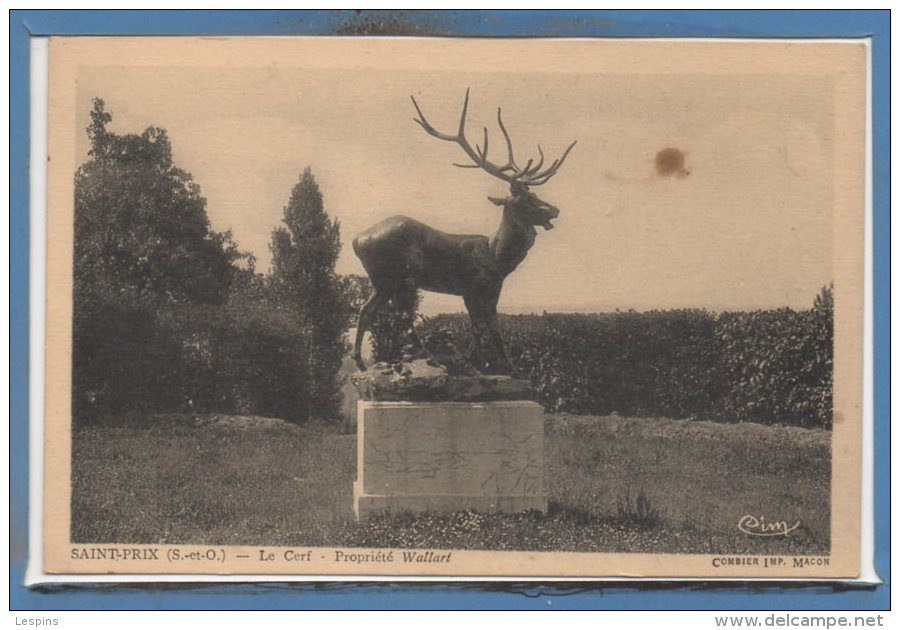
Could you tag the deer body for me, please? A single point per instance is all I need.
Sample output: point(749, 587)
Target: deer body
point(402, 251)
point(402, 255)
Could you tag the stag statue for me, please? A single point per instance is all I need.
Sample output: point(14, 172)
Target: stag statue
point(402, 255)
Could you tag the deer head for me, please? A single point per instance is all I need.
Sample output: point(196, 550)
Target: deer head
point(525, 207)
point(522, 205)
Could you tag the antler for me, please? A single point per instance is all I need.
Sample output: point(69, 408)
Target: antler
point(530, 174)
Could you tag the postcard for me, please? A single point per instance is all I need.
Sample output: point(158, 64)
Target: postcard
point(468, 308)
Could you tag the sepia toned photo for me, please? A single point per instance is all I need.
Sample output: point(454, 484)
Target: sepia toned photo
point(454, 307)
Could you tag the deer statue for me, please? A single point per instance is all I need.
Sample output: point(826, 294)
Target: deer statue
point(402, 255)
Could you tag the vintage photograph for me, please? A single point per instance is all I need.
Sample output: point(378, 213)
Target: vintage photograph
point(451, 307)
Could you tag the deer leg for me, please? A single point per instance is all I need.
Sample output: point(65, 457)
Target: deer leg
point(499, 362)
point(366, 315)
point(411, 346)
point(478, 317)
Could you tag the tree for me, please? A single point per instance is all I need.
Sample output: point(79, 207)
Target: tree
point(141, 228)
point(304, 252)
point(143, 247)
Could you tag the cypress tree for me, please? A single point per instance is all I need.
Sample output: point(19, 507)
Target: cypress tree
point(304, 252)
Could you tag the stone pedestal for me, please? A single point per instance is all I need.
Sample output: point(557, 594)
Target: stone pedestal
point(449, 456)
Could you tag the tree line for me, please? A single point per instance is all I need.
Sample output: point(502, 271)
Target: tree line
point(169, 315)
point(766, 366)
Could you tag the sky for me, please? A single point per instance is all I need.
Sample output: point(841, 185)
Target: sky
point(746, 221)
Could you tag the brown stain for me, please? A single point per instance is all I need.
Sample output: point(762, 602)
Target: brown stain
point(670, 161)
point(838, 417)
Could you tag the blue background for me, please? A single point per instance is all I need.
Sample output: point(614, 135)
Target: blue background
point(874, 24)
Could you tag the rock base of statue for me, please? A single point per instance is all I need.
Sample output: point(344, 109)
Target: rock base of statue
point(449, 456)
point(421, 380)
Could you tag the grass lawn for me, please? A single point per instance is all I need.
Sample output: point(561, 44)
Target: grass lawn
point(615, 484)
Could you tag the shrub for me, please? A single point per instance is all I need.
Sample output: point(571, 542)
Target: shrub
point(391, 326)
point(778, 364)
point(247, 357)
point(124, 359)
point(773, 367)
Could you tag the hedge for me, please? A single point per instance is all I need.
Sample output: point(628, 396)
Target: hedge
point(767, 366)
